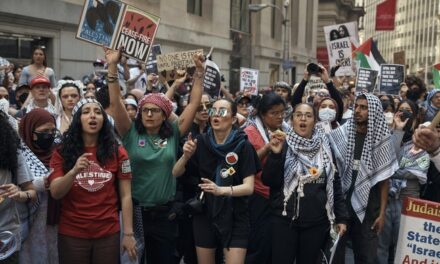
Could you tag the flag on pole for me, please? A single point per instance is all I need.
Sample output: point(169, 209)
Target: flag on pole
point(368, 55)
point(436, 75)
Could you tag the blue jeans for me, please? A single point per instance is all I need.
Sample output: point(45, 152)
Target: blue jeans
point(388, 238)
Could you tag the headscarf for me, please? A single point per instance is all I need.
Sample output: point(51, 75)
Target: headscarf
point(304, 155)
point(431, 110)
point(83, 102)
point(378, 160)
point(159, 100)
point(28, 124)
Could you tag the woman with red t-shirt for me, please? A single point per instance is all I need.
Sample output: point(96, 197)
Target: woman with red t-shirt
point(88, 168)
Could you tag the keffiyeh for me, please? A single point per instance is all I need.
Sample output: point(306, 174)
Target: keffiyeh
point(378, 160)
point(302, 155)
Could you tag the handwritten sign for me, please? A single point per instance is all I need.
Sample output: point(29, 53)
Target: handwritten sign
point(249, 80)
point(391, 76)
point(115, 24)
point(419, 234)
point(168, 64)
point(366, 80)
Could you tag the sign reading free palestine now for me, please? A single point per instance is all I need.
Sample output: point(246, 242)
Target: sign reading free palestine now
point(419, 234)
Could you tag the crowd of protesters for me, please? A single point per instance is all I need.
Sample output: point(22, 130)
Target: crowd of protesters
point(125, 167)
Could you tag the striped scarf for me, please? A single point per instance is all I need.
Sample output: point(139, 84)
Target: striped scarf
point(378, 160)
point(302, 155)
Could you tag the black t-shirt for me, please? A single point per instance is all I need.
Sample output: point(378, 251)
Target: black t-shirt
point(373, 206)
point(204, 164)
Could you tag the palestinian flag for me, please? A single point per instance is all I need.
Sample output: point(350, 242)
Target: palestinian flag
point(368, 55)
point(436, 75)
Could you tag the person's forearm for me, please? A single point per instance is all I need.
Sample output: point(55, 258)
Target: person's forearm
point(179, 167)
point(298, 94)
point(59, 187)
point(244, 189)
point(263, 151)
point(127, 214)
point(384, 186)
point(170, 90)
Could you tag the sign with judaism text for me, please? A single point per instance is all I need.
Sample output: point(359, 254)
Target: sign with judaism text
point(419, 233)
point(114, 24)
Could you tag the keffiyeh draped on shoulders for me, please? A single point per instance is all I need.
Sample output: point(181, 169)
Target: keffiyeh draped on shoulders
point(378, 160)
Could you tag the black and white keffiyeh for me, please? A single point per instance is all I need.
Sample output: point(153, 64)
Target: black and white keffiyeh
point(378, 160)
point(83, 102)
point(302, 155)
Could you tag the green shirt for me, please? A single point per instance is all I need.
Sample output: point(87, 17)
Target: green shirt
point(152, 161)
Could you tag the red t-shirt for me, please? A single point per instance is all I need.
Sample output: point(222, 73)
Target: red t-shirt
point(258, 142)
point(90, 208)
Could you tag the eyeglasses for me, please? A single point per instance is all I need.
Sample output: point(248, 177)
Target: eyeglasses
point(301, 115)
point(153, 111)
point(277, 113)
point(246, 104)
point(222, 112)
point(204, 106)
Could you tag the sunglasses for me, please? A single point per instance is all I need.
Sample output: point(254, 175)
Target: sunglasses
point(222, 112)
point(204, 106)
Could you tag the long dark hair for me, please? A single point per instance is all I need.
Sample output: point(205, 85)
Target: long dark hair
point(73, 145)
point(44, 52)
point(9, 144)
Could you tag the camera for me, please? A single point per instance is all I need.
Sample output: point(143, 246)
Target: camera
point(313, 68)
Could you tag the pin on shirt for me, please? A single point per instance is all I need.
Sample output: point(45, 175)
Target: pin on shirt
point(231, 158)
point(141, 143)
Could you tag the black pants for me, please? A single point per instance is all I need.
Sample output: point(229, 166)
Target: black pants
point(259, 249)
point(363, 239)
point(160, 235)
point(185, 241)
point(303, 244)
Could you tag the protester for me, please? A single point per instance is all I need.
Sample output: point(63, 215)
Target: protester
point(38, 131)
point(406, 181)
point(269, 118)
point(284, 90)
point(15, 187)
point(432, 104)
point(152, 141)
point(40, 93)
point(37, 68)
point(365, 159)
point(68, 94)
point(243, 105)
point(305, 191)
point(90, 174)
point(132, 107)
point(226, 163)
point(327, 113)
point(416, 89)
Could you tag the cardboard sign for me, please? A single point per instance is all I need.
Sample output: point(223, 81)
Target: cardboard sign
point(168, 64)
point(211, 81)
point(249, 80)
point(366, 80)
point(315, 83)
point(115, 24)
point(340, 40)
point(391, 76)
point(419, 233)
point(152, 59)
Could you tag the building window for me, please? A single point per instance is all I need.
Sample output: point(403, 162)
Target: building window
point(273, 20)
point(240, 15)
point(194, 7)
point(17, 46)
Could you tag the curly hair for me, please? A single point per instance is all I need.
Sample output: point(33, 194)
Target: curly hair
point(73, 145)
point(9, 144)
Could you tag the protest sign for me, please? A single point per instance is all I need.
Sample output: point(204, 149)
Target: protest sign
point(114, 24)
point(419, 233)
point(315, 83)
point(340, 40)
point(249, 80)
point(152, 59)
point(391, 76)
point(211, 81)
point(366, 80)
point(168, 64)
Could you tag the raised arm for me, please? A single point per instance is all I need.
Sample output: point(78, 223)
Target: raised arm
point(187, 116)
point(299, 92)
point(120, 115)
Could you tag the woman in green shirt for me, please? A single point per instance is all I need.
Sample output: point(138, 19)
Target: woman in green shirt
point(152, 142)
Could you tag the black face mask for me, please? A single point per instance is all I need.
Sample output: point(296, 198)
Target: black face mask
point(413, 95)
point(44, 139)
point(22, 98)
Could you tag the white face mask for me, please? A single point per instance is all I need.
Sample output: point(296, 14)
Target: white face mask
point(327, 114)
point(4, 105)
point(389, 117)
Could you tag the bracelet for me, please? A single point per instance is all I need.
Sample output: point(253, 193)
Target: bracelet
point(28, 199)
point(435, 152)
point(112, 79)
point(128, 234)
